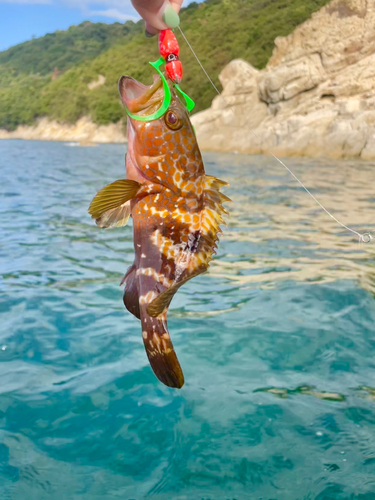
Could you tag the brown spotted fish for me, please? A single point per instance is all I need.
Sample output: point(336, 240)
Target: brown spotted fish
point(176, 210)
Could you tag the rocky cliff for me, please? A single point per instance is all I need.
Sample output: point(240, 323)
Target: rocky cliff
point(316, 97)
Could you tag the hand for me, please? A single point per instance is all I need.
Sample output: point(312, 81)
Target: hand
point(158, 14)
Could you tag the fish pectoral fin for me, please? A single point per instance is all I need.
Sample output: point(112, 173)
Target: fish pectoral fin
point(111, 197)
point(115, 217)
point(162, 301)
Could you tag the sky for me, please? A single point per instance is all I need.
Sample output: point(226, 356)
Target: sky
point(20, 20)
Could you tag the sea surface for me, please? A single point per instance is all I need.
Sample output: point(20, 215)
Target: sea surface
point(277, 340)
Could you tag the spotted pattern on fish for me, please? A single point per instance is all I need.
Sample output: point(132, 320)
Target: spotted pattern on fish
point(179, 171)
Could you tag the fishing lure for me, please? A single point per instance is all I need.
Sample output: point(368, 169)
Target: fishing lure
point(176, 208)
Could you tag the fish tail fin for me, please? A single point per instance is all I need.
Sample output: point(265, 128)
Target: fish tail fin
point(160, 351)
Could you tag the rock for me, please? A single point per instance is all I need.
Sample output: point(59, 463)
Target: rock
point(316, 97)
point(368, 152)
point(96, 83)
point(237, 110)
point(286, 81)
point(238, 77)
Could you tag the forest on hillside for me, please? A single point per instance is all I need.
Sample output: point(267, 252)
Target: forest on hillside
point(50, 76)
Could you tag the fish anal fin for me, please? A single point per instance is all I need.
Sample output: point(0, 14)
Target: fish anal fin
point(113, 196)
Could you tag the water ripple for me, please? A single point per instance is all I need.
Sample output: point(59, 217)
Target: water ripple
point(276, 341)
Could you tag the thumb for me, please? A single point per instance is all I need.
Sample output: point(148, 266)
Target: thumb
point(158, 14)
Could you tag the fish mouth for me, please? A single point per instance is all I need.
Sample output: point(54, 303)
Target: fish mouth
point(141, 99)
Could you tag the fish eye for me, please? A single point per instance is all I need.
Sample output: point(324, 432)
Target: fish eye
point(172, 120)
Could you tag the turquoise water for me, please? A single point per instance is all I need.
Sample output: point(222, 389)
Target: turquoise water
point(277, 341)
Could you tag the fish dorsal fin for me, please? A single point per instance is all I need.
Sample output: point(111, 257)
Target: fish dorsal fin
point(113, 196)
point(161, 303)
point(215, 183)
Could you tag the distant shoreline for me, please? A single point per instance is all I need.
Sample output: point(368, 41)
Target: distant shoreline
point(84, 132)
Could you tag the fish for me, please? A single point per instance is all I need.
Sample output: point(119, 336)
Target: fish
point(176, 209)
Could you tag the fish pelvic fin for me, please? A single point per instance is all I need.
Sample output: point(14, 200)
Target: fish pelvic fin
point(111, 206)
point(160, 351)
point(131, 294)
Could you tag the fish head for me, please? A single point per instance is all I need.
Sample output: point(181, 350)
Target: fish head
point(168, 139)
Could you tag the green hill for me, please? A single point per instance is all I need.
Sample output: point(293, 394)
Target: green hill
point(219, 31)
point(64, 49)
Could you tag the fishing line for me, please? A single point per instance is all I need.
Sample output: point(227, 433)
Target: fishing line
point(364, 238)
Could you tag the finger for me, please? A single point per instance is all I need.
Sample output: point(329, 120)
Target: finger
point(158, 14)
point(150, 30)
point(176, 4)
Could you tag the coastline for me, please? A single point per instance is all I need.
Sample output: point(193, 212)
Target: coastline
point(315, 98)
point(84, 131)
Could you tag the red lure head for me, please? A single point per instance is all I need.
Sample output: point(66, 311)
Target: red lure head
point(169, 50)
point(174, 71)
point(168, 44)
